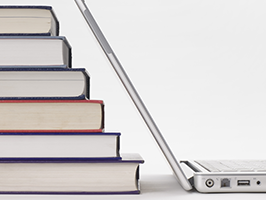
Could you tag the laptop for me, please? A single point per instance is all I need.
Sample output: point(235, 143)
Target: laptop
point(207, 176)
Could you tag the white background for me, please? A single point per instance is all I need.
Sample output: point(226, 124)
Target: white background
point(199, 66)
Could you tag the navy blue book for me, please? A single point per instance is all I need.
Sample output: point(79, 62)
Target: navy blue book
point(74, 176)
point(35, 51)
point(59, 145)
point(28, 21)
point(44, 83)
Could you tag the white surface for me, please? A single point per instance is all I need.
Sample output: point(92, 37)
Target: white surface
point(153, 187)
point(199, 66)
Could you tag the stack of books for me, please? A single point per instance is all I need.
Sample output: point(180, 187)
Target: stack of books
point(52, 138)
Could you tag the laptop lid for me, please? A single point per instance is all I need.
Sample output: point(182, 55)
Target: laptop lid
point(175, 165)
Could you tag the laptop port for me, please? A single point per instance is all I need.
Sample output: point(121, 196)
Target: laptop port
point(209, 183)
point(243, 182)
point(225, 182)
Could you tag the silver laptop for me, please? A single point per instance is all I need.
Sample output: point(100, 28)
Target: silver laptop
point(207, 176)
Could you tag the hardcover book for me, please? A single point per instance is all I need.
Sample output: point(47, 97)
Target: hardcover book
point(52, 138)
point(44, 83)
point(35, 51)
point(51, 116)
point(28, 20)
point(24, 145)
point(74, 176)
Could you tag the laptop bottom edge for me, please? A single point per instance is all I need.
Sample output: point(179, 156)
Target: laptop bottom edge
point(224, 182)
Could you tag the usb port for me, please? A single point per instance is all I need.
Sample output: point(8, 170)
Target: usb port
point(243, 182)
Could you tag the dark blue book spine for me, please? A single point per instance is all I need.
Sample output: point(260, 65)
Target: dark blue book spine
point(39, 68)
point(87, 87)
point(59, 133)
point(25, 34)
point(74, 193)
point(26, 7)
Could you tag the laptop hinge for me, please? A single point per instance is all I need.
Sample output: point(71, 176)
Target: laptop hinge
point(191, 181)
point(190, 166)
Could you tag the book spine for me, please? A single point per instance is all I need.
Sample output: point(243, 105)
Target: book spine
point(69, 54)
point(25, 7)
point(118, 146)
point(42, 68)
point(60, 160)
point(56, 23)
point(80, 97)
point(60, 133)
point(87, 85)
point(53, 101)
point(25, 34)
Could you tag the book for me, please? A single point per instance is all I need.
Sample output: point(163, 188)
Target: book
point(28, 20)
point(61, 176)
point(51, 116)
point(44, 83)
point(24, 145)
point(35, 51)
